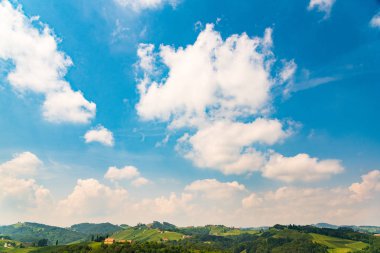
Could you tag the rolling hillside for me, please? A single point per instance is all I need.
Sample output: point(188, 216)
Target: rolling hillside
point(96, 229)
point(209, 238)
point(337, 245)
point(365, 229)
point(32, 232)
point(221, 230)
point(144, 235)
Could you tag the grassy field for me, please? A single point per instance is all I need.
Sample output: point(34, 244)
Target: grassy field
point(236, 232)
point(226, 231)
point(13, 250)
point(16, 250)
point(337, 245)
point(144, 235)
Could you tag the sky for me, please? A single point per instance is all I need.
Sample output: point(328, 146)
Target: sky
point(242, 113)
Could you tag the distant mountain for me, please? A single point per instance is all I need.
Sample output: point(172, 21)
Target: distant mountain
point(96, 229)
point(33, 232)
point(366, 229)
point(325, 225)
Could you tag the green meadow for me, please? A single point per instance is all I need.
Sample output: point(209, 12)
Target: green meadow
point(143, 235)
point(337, 245)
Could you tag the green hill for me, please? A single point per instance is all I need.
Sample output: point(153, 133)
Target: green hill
point(365, 229)
point(96, 229)
point(12, 246)
point(337, 245)
point(33, 232)
point(146, 234)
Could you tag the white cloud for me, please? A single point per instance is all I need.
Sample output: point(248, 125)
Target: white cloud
point(219, 88)
point(39, 67)
point(127, 172)
point(226, 145)
point(369, 186)
point(201, 202)
point(288, 71)
point(19, 193)
point(212, 202)
point(232, 74)
point(322, 6)
point(301, 167)
point(251, 201)
point(24, 164)
point(167, 206)
point(100, 134)
point(147, 58)
point(308, 84)
point(163, 142)
point(308, 206)
point(91, 199)
point(138, 5)
point(213, 189)
point(140, 181)
point(375, 21)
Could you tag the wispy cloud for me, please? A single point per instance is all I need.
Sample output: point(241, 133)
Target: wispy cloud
point(375, 21)
point(139, 5)
point(322, 6)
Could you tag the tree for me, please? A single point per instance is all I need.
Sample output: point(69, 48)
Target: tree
point(42, 242)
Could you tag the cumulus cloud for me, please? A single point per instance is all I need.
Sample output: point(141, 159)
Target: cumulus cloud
point(166, 206)
point(375, 21)
point(202, 202)
point(91, 199)
point(219, 88)
point(251, 201)
point(207, 201)
point(24, 164)
point(301, 167)
point(226, 145)
point(322, 6)
point(127, 172)
point(39, 66)
point(19, 193)
point(138, 5)
point(232, 74)
point(140, 181)
point(307, 205)
point(100, 134)
point(368, 187)
point(213, 189)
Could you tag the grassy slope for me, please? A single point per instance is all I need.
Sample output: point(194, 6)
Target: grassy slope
point(146, 235)
point(13, 250)
point(226, 231)
point(337, 245)
point(96, 229)
point(32, 232)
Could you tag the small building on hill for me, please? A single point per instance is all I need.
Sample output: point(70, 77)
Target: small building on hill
point(378, 235)
point(109, 241)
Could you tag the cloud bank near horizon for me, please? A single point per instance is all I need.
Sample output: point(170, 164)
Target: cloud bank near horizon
point(94, 201)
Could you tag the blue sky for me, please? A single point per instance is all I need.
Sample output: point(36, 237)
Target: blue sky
point(301, 125)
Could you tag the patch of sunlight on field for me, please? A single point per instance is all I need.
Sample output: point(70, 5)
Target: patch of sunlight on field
point(337, 245)
point(146, 235)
